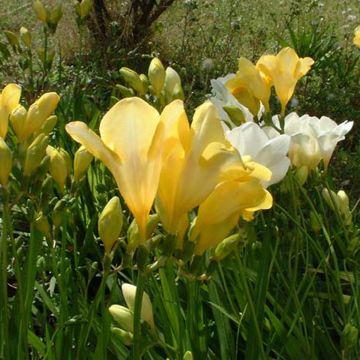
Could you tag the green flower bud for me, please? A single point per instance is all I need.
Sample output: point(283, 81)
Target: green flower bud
point(42, 224)
point(129, 292)
point(302, 174)
point(5, 161)
point(123, 317)
point(124, 91)
point(40, 10)
point(125, 337)
point(25, 36)
point(110, 223)
point(156, 75)
point(83, 8)
point(11, 38)
point(35, 153)
point(350, 335)
point(188, 356)
point(82, 162)
point(226, 247)
point(235, 114)
point(145, 81)
point(133, 79)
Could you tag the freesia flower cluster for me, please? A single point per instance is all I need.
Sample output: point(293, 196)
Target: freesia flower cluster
point(242, 102)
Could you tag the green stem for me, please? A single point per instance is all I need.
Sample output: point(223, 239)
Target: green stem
point(4, 321)
point(137, 315)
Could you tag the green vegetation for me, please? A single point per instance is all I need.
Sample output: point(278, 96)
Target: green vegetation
point(285, 285)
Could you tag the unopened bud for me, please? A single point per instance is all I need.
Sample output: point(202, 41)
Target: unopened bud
point(5, 162)
point(48, 126)
point(235, 114)
point(40, 10)
point(156, 75)
point(172, 84)
point(17, 120)
point(188, 356)
point(55, 15)
point(83, 8)
point(125, 91)
point(46, 57)
point(350, 335)
point(11, 38)
point(35, 153)
point(129, 293)
point(226, 247)
point(125, 337)
point(39, 111)
point(58, 166)
point(82, 162)
point(25, 36)
point(302, 174)
point(133, 79)
point(110, 223)
point(42, 224)
point(123, 317)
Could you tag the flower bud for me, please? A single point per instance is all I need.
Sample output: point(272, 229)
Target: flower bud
point(133, 79)
point(17, 120)
point(9, 100)
point(123, 317)
point(314, 222)
point(226, 247)
point(330, 198)
point(58, 166)
point(35, 153)
point(133, 233)
point(48, 126)
point(350, 335)
point(5, 161)
point(124, 91)
point(302, 174)
point(82, 161)
point(188, 356)
point(67, 159)
point(126, 337)
point(39, 111)
point(129, 292)
point(25, 36)
point(156, 75)
point(145, 81)
point(54, 17)
point(235, 114)
point(110, 223)
point(83, 8)
point(11, 38)
point(40, 10)
point(42, 224)
point(172, 85)
point(344, 207)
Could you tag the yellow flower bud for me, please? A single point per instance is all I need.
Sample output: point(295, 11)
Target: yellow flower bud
point(35, 153)
point(110, 223)
point(172, 84)
point(82, 161)
point(129, 293)
point(344, 206)
point(40, 10)
point(5, 161)
point(11, 38)
point(133, 79)
point(188, 356)
point(39, 111)
point(67, 159)
point(25, 36)
point(145, 81)
point(42, 224)
point(235, 114)
point(17, 120)
point(83, 8)
point(58, 166)
point(54, 17)
point(123, 316)
point(126, 337)
point(9, 100)
point(48, 126)
point(156, 75)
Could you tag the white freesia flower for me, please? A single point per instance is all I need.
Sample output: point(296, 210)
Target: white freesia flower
point(250, 140)
point(312, 139)
point(224, 99)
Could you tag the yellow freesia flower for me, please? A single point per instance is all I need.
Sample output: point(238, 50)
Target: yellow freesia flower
point(356, 40)
point(239, 194)
point(9, 100)
point(250, 86)
point(130, 147)
point(193, 158)
point(284, 70)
